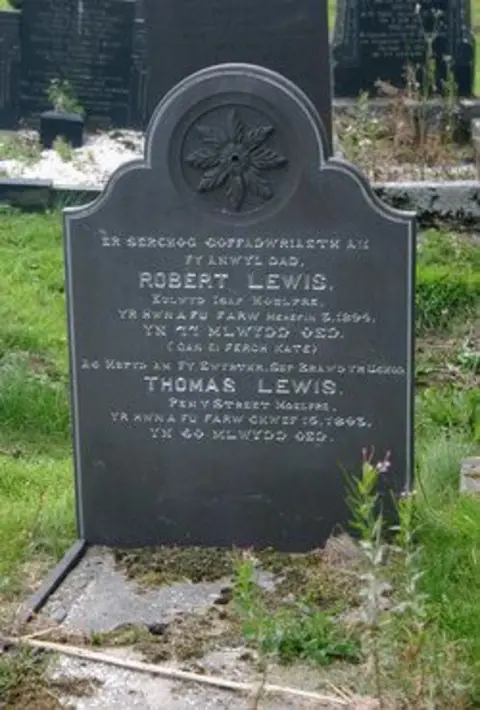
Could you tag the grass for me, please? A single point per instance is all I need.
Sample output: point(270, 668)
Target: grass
point(36, 491)
point(448, 280)
point(449, 533)
point(36, 498)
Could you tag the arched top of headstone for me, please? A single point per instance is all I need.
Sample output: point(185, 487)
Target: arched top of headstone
point(235, 143)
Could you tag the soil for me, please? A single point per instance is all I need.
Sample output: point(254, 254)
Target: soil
point(188, 637)
point(166, 565)
point(321, 578)
point(308, 576)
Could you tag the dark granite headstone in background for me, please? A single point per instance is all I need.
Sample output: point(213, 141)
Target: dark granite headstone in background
point(9, 68)
point(288, 36)
point(376, 39)
point(86, 42)
point(139, 82)
point(241, 326)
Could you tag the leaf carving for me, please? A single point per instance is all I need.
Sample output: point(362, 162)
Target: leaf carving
point(203, 158)
point(266, 158)
point(212, 179)
point(258, 135)
point(234, 157)
point(258, 185)
point(235, 191)
point(235, 127)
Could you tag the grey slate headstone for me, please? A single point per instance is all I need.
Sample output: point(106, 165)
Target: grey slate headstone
point(287, 36)
point(376, 39)
point(240, 316)
point(88, 43)
point(9, 68)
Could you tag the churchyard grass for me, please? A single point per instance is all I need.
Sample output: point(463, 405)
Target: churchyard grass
point(36, 489)
point(36, 499)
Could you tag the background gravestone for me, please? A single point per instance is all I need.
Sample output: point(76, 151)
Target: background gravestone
point(88, 43)
point(9, 68)
point(184, 36)
point(375, 39)
point(240, 326)
point(139, 82)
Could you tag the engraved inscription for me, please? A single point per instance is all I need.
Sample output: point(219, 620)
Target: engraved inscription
point(241, 335)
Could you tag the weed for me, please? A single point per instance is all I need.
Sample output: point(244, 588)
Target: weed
point(469, 357)
point(292, 632)
point(424, 650)
point(23, 147)
point(360, 137)
point(364, 501)
point(63, 149)
point(415, 136)
point(61, 96)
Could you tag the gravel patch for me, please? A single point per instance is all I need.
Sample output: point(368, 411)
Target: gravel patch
point(91, 165)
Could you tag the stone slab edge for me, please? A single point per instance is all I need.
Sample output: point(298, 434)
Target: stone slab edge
point(456, 203)
point(469, 109)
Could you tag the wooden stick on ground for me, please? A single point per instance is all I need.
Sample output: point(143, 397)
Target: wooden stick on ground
point(171, 673)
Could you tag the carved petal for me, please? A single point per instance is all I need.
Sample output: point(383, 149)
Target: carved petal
point(235, 191)
point(258, 185)
point(258, 135)
point(203, 158)
point(212, 179)
point(235, 127)
point(266, 158)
